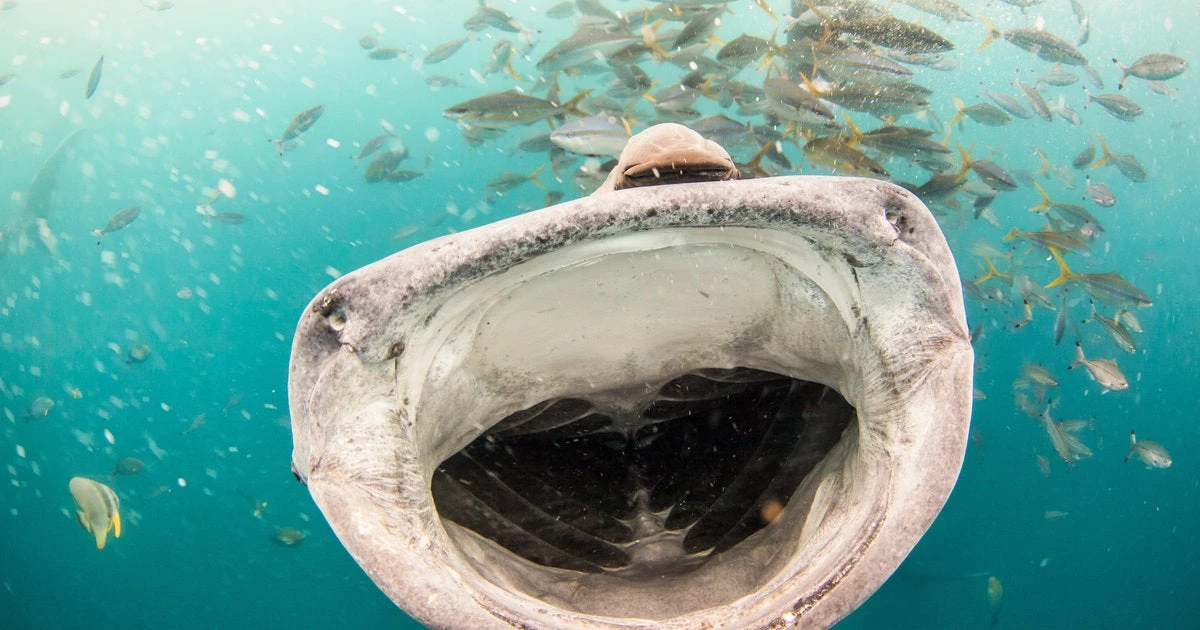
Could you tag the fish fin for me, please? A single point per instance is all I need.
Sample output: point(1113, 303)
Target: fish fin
point(855, 134)
point(1064, 271)
point(810, 85)
point(1012, 235)
point(81, 518)
point(960, 106)
point(1079, 358)
point(1106, 154)
point(533, 177)
point(116, 524)
point(992, 33)
point(1121, 83)
point(1045, 204)
point(573, 104)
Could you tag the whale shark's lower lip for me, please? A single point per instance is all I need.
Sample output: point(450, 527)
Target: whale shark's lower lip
point(725, 404)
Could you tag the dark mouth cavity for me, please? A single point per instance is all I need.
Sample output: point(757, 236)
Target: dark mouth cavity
point(713, 458)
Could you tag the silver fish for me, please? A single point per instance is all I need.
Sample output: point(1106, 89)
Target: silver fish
point(599, 135)
point(117, 221)
point(1120, 106)
point(94, 78)
point(300, 123)
point(1100, 194)
point(1152, 454)
point(1104, 371)
point(1152, 67)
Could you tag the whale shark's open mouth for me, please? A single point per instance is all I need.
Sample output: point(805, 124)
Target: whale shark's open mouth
point(724, 404)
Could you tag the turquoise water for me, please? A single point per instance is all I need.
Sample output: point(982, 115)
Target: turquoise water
point(189, 97)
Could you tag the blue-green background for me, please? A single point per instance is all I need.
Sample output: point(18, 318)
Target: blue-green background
point(162, 127)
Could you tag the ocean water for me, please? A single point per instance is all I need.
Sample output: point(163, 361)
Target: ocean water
point(189, 97)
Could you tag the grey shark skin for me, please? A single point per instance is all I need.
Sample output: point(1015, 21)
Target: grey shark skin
point(409, 371)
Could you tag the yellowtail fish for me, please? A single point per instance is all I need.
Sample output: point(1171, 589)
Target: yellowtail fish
point(300, 123)
point(792, 102)
point(584, 45)
point(1035, 98)
point(382, 165)
point(1039, 42)
point(99, 509)
point(983, 113)
point(1104, 371)
point(1152, 454)
point(509, 180)
point(1076, 214)
point(842, 158)
point(1070, 240)
point(1119, 105)
point(1127, 163)
point(601, 135)
point(1085, 157)
point(510, 108)
point(945, 9)
point(445, 50)
point(1009, 104)
point(371, 146)
point(853, 66)
point(1153, 67)
point(117, 221)
point(1106, 287)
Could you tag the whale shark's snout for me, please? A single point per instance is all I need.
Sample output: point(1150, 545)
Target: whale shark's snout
point(721, 404)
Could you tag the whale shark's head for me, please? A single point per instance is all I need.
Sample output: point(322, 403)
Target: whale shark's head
point(720, 404)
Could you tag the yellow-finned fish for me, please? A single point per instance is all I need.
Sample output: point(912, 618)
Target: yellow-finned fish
point(98, 508)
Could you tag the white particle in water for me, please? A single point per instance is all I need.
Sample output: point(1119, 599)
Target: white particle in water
point(182, 482)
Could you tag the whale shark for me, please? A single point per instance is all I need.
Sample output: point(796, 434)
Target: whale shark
point(693, 402)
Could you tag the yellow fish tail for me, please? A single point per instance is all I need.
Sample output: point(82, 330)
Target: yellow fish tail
point(1065, 272)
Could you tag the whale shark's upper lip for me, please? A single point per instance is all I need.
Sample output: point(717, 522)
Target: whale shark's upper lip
point(690, 166)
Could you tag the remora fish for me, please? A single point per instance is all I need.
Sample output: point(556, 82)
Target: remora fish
point(300, 123)
point(99, 508)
